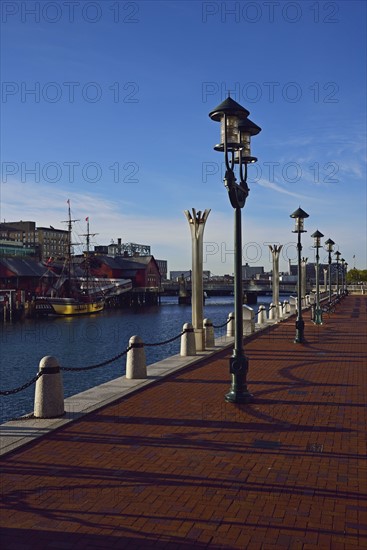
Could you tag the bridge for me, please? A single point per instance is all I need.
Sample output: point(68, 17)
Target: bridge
point(212, 287)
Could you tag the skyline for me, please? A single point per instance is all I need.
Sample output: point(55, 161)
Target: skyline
point(106, 104)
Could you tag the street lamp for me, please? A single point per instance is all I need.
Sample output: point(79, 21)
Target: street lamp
point(236, 131)
point(299, 215)
point(330, 248)
point(337, 254)
point(318, 314)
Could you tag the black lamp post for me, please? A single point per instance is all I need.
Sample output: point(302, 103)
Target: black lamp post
point(318, 313)
point(236, 132)
point(299, 215)
point(329, 248)
point(337, 254)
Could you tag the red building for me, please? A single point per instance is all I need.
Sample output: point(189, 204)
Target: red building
point(142, 270)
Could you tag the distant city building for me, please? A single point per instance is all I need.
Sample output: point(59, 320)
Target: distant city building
point(175, 275)
point(43, 242)
point(123, 249)
point(255, 272)
point(162, 265)
point(53, 242)
point(14, 248)
point(311, 271)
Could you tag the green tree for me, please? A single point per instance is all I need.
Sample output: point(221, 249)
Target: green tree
point(356, 276)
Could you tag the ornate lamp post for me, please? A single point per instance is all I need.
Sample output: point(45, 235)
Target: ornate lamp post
point(329, 248)
point(337, 254)
point(275, 252)
point(197, 222)
point(318, 313)
point(236, 132)
point(299, 215)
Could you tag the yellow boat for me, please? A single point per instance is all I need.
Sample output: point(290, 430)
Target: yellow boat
point(79, 296)
point(67, 306)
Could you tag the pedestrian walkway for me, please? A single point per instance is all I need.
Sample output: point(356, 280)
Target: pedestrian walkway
point(173, 466)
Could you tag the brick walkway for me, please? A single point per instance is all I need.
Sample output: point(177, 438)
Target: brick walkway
point(174, 466)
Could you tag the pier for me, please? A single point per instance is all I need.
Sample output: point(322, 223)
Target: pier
point(172, 465)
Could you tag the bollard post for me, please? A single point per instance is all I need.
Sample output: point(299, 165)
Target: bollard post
point(272, 312)
point(248, 317)
point(136, 366)
point(188, 346)
point(261, 316)
point(49, 391)
point(209, 333)
point(286, 307)
point(280, 310)
point(292, 305)
point(230, 325)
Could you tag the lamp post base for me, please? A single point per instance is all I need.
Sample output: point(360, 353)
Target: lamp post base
point(238, 367)
point(318, 317)
point(299, 339)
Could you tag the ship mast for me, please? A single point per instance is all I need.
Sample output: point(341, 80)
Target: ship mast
point(70, 222)
point(88, 235)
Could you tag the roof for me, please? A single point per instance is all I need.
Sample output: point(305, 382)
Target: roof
point(23, 267)
point(120, 262)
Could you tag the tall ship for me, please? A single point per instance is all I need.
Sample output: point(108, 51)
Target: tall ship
point(72, 293)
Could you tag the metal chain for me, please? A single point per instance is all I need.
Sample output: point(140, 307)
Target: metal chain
point(224, 324)
point(21, 388)
point(107, 362)
point(72, 369)
point(166, 341)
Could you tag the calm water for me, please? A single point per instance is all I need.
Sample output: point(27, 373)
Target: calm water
point(83, 341)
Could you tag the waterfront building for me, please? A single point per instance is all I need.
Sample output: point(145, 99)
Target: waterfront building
point(27, 239)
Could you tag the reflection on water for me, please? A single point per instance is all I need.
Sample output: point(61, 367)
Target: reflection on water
point(83, 341)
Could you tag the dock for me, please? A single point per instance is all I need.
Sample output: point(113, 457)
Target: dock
point(173, 466)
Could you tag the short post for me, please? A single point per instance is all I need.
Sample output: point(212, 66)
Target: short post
point(49, 391)
point(230, 325)
point(292, 305)
point(261, 316)
point(280, 310)
point(136, 365)
point(248, 317)
point(188, 346)
point(272, 312)
point(209, 333)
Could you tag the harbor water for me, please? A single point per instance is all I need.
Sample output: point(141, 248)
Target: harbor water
point(89, 340)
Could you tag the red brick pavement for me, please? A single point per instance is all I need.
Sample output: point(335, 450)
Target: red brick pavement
point(174, 466)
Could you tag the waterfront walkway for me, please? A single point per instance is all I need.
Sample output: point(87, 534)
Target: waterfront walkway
point(173, 466)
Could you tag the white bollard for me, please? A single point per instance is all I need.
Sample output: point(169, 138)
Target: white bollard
point(292, 305)
point(261, 316)
point(209, 333)
point(248, 323)
point(230, 325)
point(286, 307)
point(188, 346)
point(136, 365)
point(272, 312)
point(49, 391)
point(280, 311)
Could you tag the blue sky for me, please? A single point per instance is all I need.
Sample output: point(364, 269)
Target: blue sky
point(118, 123)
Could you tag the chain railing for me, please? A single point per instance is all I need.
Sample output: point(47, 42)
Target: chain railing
point(224, 324)
point(90, 367)
point(23, 387)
